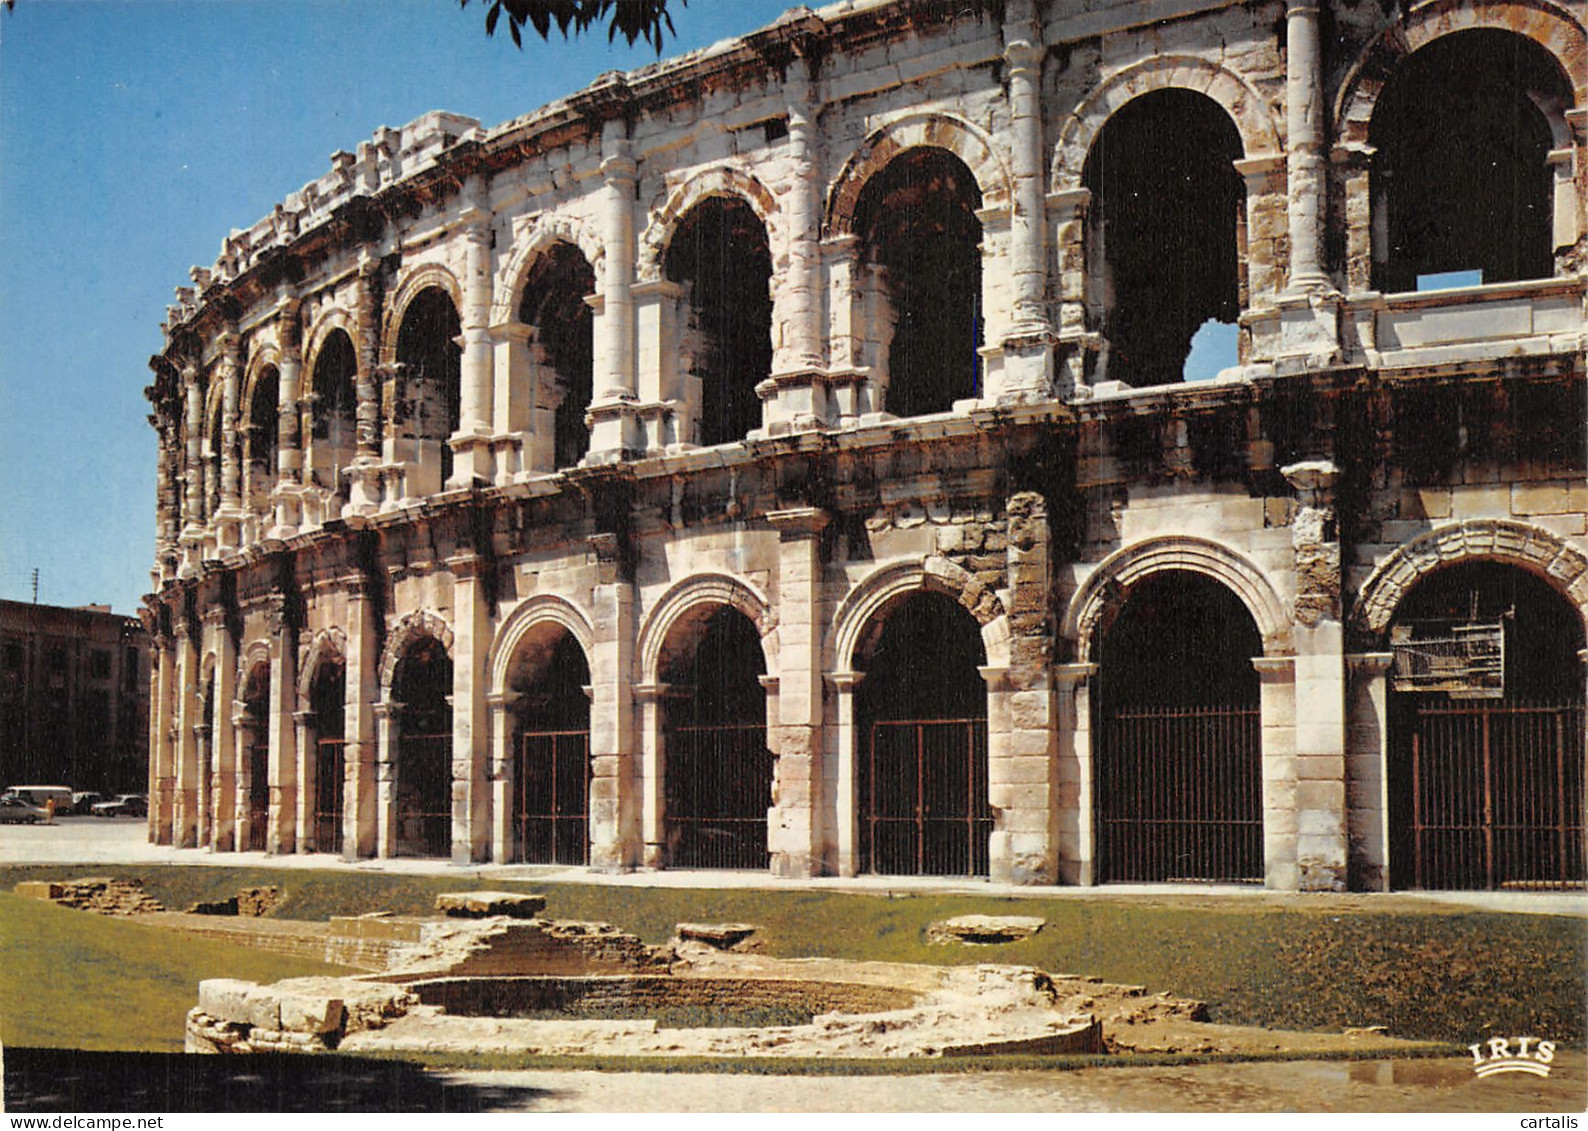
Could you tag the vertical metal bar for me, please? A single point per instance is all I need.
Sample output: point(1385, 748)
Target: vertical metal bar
point(920, 807)
point(1488, 803)
point(1560, 792)
point(1417, 802)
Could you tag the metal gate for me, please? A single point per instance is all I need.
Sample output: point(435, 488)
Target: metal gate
point(719, 787)
point(330, 760)
point(424, 795)
point(1179, 793)
point(925, 798)
point(258, 795)
point(554, 797)
point(1497, 795)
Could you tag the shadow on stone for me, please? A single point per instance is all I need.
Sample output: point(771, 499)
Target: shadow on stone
point(78, 1081)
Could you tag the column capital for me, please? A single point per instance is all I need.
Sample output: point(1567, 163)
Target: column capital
point(844, 681)
point(1068, 674)
point(500, 701)
point(1275, 669)
point(652, 692)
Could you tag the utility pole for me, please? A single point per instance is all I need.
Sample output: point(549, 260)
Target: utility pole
point(35, 585)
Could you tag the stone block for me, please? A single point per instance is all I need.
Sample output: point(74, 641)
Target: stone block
point(1325, 795)
point(1549, 498)
point(261, 1008)
point(1031, 710)
point(1320, 823)
point(225, 999)
point(478, 904)
point(311, 1013)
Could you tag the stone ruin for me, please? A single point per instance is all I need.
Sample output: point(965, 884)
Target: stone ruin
point(491, 973)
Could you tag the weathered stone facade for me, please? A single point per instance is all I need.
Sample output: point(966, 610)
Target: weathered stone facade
point(486, 416)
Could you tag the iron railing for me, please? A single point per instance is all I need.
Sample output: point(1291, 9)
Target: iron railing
point(924, 798)
point(424, 795)
point(1497, 795)
point(330, 760)
point(719, 787)
point(258, 796)
point(553, 777)
point(1180, 794)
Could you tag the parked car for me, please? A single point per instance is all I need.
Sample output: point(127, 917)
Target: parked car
point(15, 811)
point(83, 802)
point(123, 805)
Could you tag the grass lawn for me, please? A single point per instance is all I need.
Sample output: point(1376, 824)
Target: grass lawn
point(70, 979)
point(1425, 971)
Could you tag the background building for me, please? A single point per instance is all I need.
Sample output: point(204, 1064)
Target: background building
point(74, 698)
point(782, 458)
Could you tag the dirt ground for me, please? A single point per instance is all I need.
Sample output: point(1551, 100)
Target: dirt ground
point(1441, 1085)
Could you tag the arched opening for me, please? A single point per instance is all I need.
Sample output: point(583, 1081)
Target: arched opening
point(1486, 733)
point(1178, 735)
point(551, 743)
point(719, 253)
point(327, 705)
point(917, 220)
point(427, 343)
point(1461, 178)
point(333, 412)
point(563, 348)
point(718, 769)
point(422, 695)
point(1162, 234)
point(255, 739)
point(259, 439)
point(922, 764)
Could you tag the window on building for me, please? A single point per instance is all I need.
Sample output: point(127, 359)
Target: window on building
point(99, 663)
point(564, 343)
point(335, 407)
point(428, 344)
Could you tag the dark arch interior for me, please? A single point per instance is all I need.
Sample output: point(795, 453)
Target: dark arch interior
point(719, 770)
point(422, 684)
point(1180, 639)
point(327, 701)
point(1178, 735)
point(1461, 171)
point(428, 344)
point(212, 478)
point(918, 220)
point(554, 305)
point(335, 408)
point(1165, 211)
point(922, 749)
point(720, 254)
point(262, 429)
point(553, 753)
point(256, 706)
point(1488, 792)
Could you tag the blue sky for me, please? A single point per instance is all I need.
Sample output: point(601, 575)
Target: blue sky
point(134, 135)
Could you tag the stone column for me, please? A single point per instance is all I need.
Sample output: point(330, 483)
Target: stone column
point(289, 434)
point(1354, 168)
point(359, 823)
point(281, 830)
point(471, 446)
point(502, 776)
point(616, 786)
point(1028, 344)
point(364, 476)
point(653, 771)
point(796, 397)
point(1367, 770)
point(387, 730)
point(308, 778)
point(1078, 345)
point(184, 808)
point(1023, 785)
point(162, 760)
point(846, 743)
point(1320, 681)
point(615, 427)
point(229, 518)
point(471, 812)
point(243, 739)
point(166, 500)
point(1278, 712)
point(1075, 797)
point(193, 501)
point(1305, 114)
point(224, 809)
point(794, 826)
